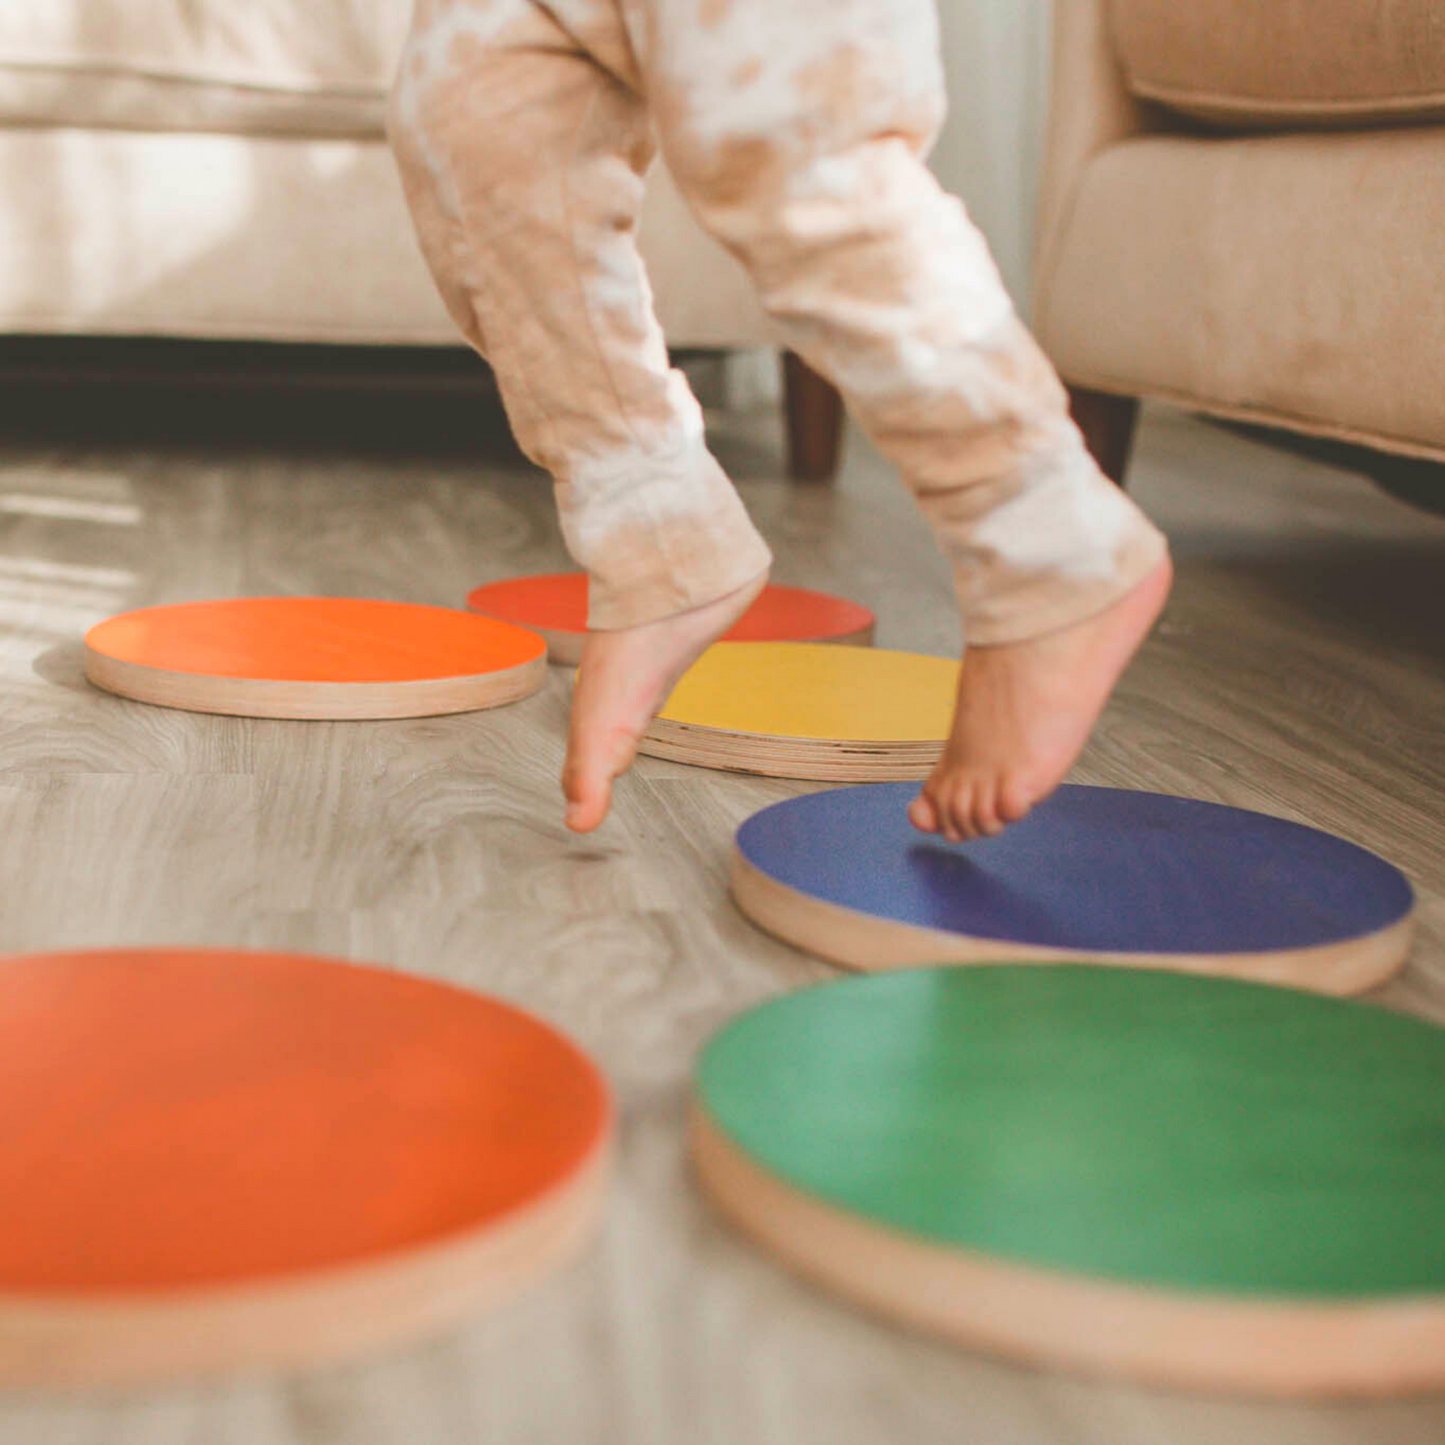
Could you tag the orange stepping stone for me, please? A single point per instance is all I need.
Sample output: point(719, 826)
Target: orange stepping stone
point(554, 604)
point(215, 1160)
point(314, 657)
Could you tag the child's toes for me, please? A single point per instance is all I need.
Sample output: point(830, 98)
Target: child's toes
point(957, 809)
point(984, 810)
point(923, 813)
point(587, 786)
point(587, 775)
point(955, 804)
point(588, 793)
point(1015, 799)
point(583, 816)
point(932, 810)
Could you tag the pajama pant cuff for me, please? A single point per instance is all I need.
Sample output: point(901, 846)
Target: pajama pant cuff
point(665, 596)
point(1092, 547)
point(670, 545)
point(1050, 605)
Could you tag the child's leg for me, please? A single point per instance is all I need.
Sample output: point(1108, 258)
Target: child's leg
point(522, 159)
point(797, 131)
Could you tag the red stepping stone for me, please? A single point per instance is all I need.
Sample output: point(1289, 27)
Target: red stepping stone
point(554, 604)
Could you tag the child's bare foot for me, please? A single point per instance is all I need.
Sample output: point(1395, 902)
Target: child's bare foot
point(625, 676)
point(1024, 713)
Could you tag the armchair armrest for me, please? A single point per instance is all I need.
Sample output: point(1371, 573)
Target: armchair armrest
point(1090, 109)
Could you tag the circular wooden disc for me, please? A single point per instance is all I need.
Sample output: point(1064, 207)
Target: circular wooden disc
point(800, 710)
point(554, 604)
point(1096, 874)
point(215, 1160)
point(1202, 1182)
point(314, 657)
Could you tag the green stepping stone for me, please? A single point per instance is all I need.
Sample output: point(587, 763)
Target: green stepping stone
point(1200, 1139)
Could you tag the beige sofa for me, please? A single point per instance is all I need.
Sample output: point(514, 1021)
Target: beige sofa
point(212, 169)
point(1243, 212)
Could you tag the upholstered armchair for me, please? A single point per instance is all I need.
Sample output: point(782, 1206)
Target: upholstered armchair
point(1243, 212)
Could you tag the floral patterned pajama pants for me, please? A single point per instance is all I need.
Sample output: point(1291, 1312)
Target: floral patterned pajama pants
point(797, 130)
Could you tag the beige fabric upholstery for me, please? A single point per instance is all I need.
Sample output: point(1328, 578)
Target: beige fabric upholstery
point(1286, 62)
point(263, 66)
point(1289, 278)
point(1090, 109)
point(293, 68)
point(307, 240)
point(1182, 274)
point(214, 168)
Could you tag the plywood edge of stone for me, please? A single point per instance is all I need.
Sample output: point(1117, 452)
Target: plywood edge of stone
point(867, 943)
point(317, 701)
point(1205, 1342)
point(298, 1321)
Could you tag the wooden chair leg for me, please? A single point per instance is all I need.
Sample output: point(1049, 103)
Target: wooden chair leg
point(1107, 423)
point(815, 422)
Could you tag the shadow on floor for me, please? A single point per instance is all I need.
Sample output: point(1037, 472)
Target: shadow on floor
point(1383, 596)
point(308, 400)
point(419, 401)
point(63, 666)
point(1411, 480)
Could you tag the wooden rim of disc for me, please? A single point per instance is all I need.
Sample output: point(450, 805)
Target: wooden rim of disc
point(770, 757)
point(866, 943)
point(333, 1316)
point(784, 710)
point(554, 605)
point(201, 1199)
point(1098, 1327)
point(335, 658)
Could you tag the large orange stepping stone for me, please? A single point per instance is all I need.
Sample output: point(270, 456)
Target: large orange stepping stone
point(215, 1160)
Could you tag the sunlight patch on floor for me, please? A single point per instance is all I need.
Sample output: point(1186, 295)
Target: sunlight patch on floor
point(40, 569)
point(70, 509)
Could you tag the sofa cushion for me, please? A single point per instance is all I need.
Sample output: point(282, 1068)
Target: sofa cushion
point(304, 67)
point(1256, 63)
point(284, 239)
point(1289, 279)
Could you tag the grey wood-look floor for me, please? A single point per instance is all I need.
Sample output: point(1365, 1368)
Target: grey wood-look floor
point(1300, 669)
